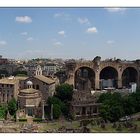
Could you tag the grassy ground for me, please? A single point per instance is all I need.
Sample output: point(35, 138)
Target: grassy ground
point(93, 128)
point(109, 129)
point(55, 125)
point(58, 124)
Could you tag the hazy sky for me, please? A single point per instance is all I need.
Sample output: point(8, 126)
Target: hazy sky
point(70, 32)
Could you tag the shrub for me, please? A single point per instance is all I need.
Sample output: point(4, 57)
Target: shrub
point(56, 111)
point(22, 120)
point(12, 106)
point(64, 92)
point(37, 119)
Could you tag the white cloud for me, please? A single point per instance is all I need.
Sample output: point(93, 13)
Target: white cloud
point(62, 16)
point(110, 42)
point(58, 15)
point(57, 44)
point(24, 33)
point(30, 38)
point(92, 30)
point(115, 9)
point(61, 33)
point(23, 19)
point(2, 42)
point(83, 21)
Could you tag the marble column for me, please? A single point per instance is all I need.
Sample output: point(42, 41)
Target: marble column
point(43, 113)
point(51, 111)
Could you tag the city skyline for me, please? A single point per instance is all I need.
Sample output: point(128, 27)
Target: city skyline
point(27, 33)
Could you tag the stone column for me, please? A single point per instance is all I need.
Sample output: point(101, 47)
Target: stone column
point(119, 80)
point(43, 114)
point(51, 111)
point(97, 80)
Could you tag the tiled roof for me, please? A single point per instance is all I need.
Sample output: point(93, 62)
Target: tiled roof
point(12, 80)
point(21, 77)
point(45, 79)
point(8, 81)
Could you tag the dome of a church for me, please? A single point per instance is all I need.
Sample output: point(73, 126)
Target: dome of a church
point(29, 83)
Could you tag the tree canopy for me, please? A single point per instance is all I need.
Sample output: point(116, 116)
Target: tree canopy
point(20, 73)
point(114, 106)
point(3, 112)
point(3, 73)
point(56, 111)
point(12, 106)
point(64, 92)
point(63, 107)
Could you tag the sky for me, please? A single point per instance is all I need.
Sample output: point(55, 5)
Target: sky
point(27, 33)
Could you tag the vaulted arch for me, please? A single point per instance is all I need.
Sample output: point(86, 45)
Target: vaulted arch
point(129, 75)
point(108, 77)
point(84, 78)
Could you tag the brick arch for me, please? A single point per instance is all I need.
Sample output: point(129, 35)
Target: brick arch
point(90, 77)
point(108, 75)
point(129, 66)
point(129, 74)
point(109, 65)
point(87, 66)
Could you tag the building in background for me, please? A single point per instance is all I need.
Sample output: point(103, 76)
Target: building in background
point(9, 88)
point(49, 69)
point(3, 60)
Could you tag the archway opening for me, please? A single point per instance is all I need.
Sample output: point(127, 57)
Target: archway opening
point(108, 78)
point(129, 75)
point(84, 79)
point(37, 87)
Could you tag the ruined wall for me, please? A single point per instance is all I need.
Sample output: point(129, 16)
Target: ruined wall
point(97, 66)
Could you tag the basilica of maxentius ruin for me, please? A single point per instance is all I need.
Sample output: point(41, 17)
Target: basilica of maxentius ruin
point(91, 77)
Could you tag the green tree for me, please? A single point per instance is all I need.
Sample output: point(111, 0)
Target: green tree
point(57, 104)
point(112, 106)
point(12, 106)
point(3, 112)
point(64, 107)
point(64, 92)
point(3, 73)
point(53, 100)
point(129, 105)
point(56, 111)
point(20, 73)
point(115, 106)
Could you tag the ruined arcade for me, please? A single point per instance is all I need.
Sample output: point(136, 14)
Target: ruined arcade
point(91, 77)
point(97, 74)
